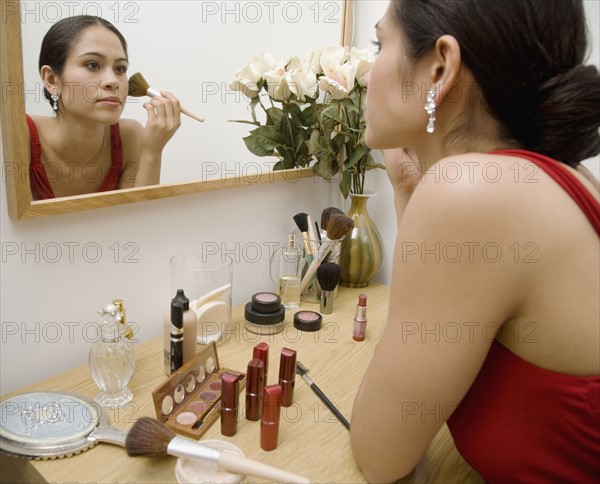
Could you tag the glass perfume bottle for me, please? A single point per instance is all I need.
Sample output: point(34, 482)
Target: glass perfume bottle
point(111, 359)
point(288, 281)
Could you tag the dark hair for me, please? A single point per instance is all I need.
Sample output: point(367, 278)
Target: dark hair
point(62, 35)
point(526, 57)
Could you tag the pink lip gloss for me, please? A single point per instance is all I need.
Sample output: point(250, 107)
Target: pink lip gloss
point(360, 320)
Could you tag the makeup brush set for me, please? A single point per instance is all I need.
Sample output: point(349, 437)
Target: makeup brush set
point(322, 272)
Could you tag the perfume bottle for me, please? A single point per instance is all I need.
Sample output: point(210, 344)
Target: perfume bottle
point(111, 358)
point(288, 281)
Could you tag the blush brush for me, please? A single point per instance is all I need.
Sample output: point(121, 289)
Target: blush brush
point(138, 87)
point(339, 225)
point(326, 215)
point(149, 437)
point(328, 275)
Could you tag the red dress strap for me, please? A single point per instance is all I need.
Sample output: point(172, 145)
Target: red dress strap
point(558, 172)
point(38, 179)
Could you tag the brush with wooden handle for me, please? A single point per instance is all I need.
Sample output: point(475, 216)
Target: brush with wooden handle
point(149, 437)
point(138, 87)
point(338, 226)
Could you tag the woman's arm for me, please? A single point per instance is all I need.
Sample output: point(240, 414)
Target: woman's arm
point(143, 146)
point(448, 302)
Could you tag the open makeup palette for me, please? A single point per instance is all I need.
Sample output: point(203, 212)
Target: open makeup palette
point(190, 400)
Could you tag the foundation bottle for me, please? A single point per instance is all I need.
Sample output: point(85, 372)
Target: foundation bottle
point(190, 331)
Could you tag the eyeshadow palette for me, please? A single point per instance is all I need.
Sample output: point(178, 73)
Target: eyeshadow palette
point(189, 402)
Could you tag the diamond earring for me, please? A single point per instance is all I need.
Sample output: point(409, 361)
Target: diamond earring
point(430, 108)
point(54, 98)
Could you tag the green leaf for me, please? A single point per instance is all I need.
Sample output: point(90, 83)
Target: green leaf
point(242, 121)
point(325, 168)
point(309, 116)
point(262, 141)
point(359, 152)
point(274, 116)
point(345, 183)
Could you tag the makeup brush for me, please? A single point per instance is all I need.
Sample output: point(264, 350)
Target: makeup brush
point(328, 275)
point(301, 220)
point(338, 227)
point(149, 437)
point(138, 87)
point(302, 371)
point(326, 215)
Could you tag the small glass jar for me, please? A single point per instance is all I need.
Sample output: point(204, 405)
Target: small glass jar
point(112, 360)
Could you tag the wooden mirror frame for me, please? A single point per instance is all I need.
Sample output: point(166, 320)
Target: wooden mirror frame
point(15, 140)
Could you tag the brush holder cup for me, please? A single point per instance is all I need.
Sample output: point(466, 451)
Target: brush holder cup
point(319, 251)
point(207, 282)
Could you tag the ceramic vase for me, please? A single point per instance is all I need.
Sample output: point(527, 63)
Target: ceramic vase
point(361, 255)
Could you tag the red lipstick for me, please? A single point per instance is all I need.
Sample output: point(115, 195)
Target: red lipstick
point(254, 389)
point(230, 393)
point(261, 351)
point(360, 320)
point(287, 376)
point(269, 424)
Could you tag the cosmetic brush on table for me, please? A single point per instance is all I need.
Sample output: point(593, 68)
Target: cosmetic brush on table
point(149, 437)
point(338, 227)
point(301, 220)
point(328, 275)
point(302, 371)
point(138, 87)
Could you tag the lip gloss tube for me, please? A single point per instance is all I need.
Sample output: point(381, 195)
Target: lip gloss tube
point(360, 320)
point(230, 393)
point(287, 376)
point(254, 389)
point(269, 424)
point(261, 351)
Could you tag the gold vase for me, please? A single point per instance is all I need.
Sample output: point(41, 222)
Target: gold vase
point(361, 254)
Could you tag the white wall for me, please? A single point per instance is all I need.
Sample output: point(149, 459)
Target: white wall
point(51, 283)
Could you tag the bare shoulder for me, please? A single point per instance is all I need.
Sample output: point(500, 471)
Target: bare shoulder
point(130, 127)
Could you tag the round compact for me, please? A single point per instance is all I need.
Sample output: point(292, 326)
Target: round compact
point(197, 470)
point(256, 317)
point(266, 302)
point(307, 321)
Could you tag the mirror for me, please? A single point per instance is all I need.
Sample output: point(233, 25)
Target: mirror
point(214, 38)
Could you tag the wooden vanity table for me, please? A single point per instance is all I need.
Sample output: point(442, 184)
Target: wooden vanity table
point(312, 442)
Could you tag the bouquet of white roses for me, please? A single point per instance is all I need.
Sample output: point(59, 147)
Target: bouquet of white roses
point(314, 115)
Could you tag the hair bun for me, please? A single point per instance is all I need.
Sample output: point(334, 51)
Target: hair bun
point(565, 115)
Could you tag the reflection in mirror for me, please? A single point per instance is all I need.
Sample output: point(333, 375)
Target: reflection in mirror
point(194, 55)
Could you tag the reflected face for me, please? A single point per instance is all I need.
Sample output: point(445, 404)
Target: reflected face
point(394, 108)
point(94, 82)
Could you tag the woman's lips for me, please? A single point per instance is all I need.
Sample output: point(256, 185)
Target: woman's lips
point(110, 101)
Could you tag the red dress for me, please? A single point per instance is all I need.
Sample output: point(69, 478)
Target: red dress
point(40, 184)
point(522, 423)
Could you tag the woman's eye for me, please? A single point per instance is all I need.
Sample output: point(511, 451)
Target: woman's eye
point(93, 65)
point(377, 45)
point(121, 69)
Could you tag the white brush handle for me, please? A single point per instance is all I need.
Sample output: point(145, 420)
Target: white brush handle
point(242, 465)
point(184, 447)
point(154, 92)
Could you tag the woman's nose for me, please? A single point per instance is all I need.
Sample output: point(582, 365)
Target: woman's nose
point(110, 81)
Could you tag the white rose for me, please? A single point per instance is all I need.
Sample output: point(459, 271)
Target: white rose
point(302, 84)
point(365, 59)
point(247, 78)
point(339, 82)
point(277, 85)
point(333, 57)
point(312, 61)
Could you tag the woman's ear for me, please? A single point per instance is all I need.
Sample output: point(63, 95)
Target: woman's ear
point(50, 80)
point(446, 68)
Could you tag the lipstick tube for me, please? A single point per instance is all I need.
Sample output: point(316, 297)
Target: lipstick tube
point(230, 395)
point(359, 328)
point(287, 376)
point(254, 389)
point(271, 411)
point(261, 351)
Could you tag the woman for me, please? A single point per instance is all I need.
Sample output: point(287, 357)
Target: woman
point(493, 326)
point(86, 147)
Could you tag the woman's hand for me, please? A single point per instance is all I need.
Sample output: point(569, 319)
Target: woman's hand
point(403, 169)
point(164, 118)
